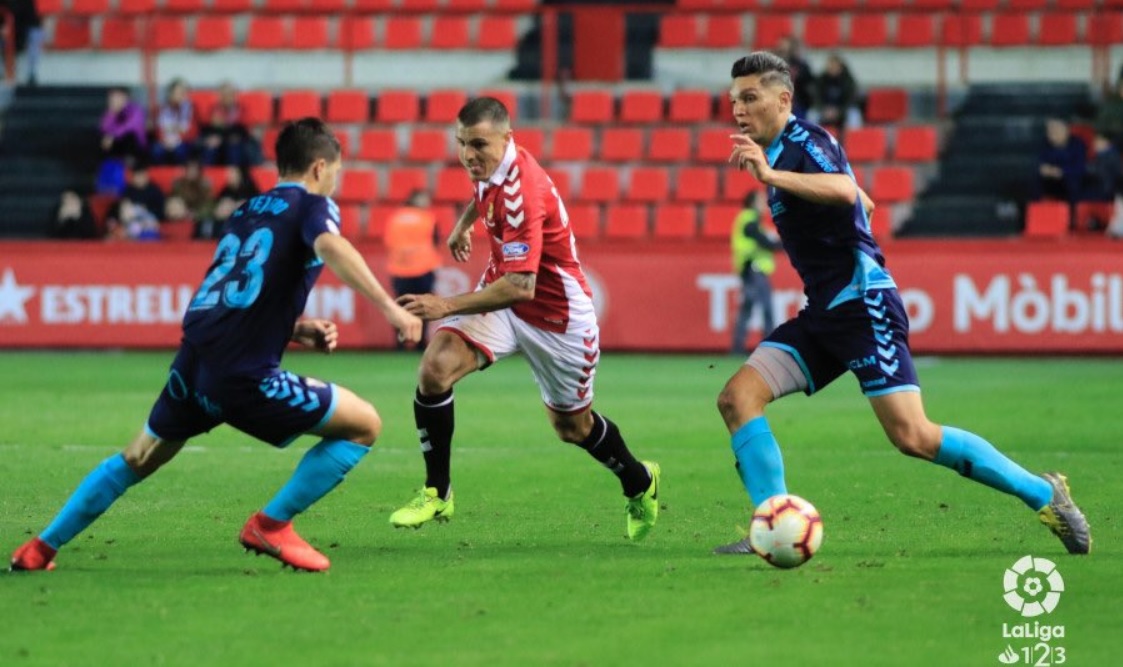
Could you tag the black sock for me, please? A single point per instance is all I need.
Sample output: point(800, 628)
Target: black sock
point(605, 444)
point(434, 418)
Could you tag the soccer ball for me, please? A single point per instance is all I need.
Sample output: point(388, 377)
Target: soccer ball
point(786, 531)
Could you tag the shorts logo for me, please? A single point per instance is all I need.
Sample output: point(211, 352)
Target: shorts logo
point(286, 387)
point(1033, 586)
point(515, 251)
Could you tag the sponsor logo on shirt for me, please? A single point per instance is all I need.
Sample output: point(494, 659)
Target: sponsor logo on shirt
point(515, 251)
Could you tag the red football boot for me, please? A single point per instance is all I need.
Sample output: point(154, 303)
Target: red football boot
point(35, 554)
point(278, 540)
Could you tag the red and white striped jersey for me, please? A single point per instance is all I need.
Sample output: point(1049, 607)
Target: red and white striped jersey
point(528, 230)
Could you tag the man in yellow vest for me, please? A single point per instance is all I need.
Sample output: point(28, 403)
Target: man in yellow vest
point(752, 259)
point(411, 238)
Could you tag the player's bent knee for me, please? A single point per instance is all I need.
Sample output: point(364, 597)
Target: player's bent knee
point(740, 401)
point(368, 427)
point(913, 440)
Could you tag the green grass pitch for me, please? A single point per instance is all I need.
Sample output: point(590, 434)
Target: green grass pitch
point(534, 570)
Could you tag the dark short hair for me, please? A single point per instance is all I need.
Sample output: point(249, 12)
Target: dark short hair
point(482, 109)
point(302, 142)
point(772, 68)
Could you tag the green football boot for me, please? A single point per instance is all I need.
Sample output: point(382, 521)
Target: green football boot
point(426, 507)
point(643, 509)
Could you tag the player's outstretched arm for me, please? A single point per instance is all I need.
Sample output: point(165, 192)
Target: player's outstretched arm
point(346, 262)
point(830, 189)
point(509, 290)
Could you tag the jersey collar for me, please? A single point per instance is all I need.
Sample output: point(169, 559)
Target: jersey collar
point(777, 145)
point(504, 168)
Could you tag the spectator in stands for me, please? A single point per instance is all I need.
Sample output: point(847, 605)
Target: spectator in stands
point(803, 79)
point(225, 139)
point(235, 191)
point(191, 197)
point(143, 192)
point(73, 218)
point(411, 243)
point(29, 34)
point(1061, 164)
point(1109, 118)
point(836, 96)
point(1105, 173)
point(753, 261)
point(175, 126)
point(123, 127)
point(128, 221)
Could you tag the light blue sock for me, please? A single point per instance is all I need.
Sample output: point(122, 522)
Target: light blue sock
point(975, 458)
point(320, 471)
point(759, 461)
point(105, 484)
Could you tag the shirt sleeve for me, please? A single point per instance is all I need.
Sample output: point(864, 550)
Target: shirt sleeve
point(524, 218)
point(321, 216)
point(823, 155)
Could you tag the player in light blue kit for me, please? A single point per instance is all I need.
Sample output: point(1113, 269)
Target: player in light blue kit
point(228, 369)
point(854, 319)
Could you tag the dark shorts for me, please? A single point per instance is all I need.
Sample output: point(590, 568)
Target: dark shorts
point(869, 336)
point(276, 407)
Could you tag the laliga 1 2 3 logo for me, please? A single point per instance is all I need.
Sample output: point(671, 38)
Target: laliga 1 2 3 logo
point(1033, 587)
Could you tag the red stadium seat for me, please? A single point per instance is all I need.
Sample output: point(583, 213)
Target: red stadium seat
point(714, 144)
point(600, 184)
point(284, 6)
point(696, 184)
point(257, 107)
point(584, 220)
point(350, 217)
point(267, 33)
point(770, 29)
point(378, 145)
point(915, 30)
point(1026, 5)
point(402, 32)
point(269, 142)
point(717, 4)
point(309, 32)
point(453, 186)
point(789, 5)
point(641, 106)
point(404, 181)
point(735, 184)
point(915, 144)
point(1057, 29)
point(296, 104)
point(359, 186)
point(865, 144)
point(1106, 30)
point(533, 140)
point(128, 7)
point(118, 34)
point(184, 6)
point(89, 7)
point(377, 216)
point(1047, 220)
point(231, 6)
point(561, 180)
point(348, 106)
point(691, 106)
point(515, 5)
point(978, 5)
point(441, 106)
point(374, 5)
point(497, 33)
point(868, 31)
point(162, 176)
point(626, 221)
point(1093, 216)
point(668, 144)
point(203, 100)
point(355, 33)
point(474, 6)
point(676, 221)
point(264, 176)
point(327, 6)
point(1009, 30)
point(717, 220)
point(508, 97)
point(398, 106)
point(961, 30)
point(822, 31)
point(678, 31)
point(344, 138)
point(621, 144)
point(213, 33)
point(887, 5)
point(887, 105)
point(420, 5)
point(837, 5)
point(1076, 4)
point(591, 106)
point(167, 33)
point(722, 31)
point(449, 32)
point(892, 185)
point(572, 144)
point(428, 145)
point(649, 184)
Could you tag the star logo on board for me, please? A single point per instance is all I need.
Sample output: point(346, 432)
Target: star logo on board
point(12, 299)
